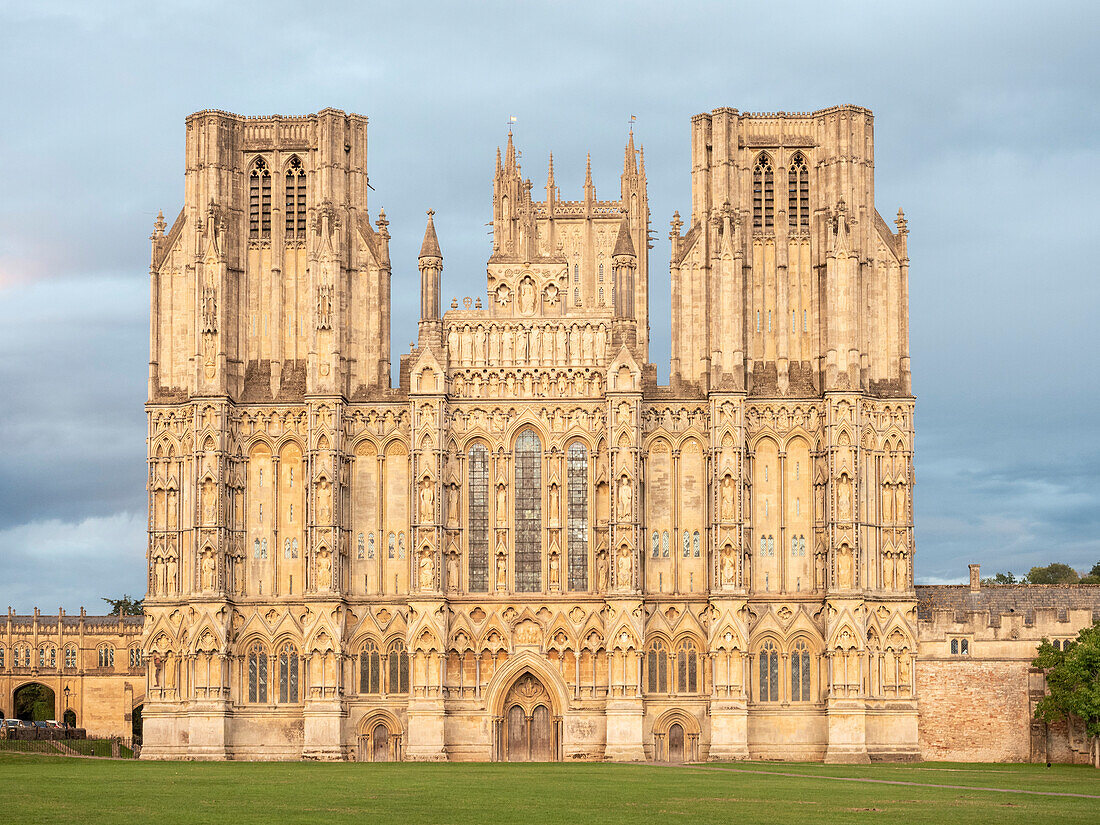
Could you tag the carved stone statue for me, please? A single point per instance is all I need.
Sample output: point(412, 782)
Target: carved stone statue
point(452, 571)
point(844, 499)
point(601, 571)
point(452, 505)
point(625, 499)
point(555, 572)
point(554, 505)
point(208, 571)
point(502, 571)
point(625, 566)
point(526, 297)
point(171, 576)
point(502, 506)
point(728, 569)
point(209, 502)
point(427, 501)
point(324, 572)
point(727, 498)
point(427, 570)
point(324, 501)
point(844, 567)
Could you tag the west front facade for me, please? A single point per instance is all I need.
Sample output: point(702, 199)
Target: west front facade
point(529, 549)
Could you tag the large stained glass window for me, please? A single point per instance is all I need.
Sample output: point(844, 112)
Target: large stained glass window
point(478, 515)
point(800, 673)
point(769, 673)
point(528, 522)
point(288, 674)
point(578, 516)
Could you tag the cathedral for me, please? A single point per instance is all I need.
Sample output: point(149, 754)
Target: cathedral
point(530, 549)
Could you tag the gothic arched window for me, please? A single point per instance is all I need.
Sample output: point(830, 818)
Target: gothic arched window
point(135, 658)
point(370, 668)
point(397, 668)
point(798, 192)
point(687, 668)
point(257, 673)
point(601, 273)
point(576, 274)
point(763, 193)
point(664, 544)
point(259, 201)
point(656, 545)
point(695, 544)
point(288, 673)
point(769, 673)
point(657, 667)
point(800, 672)
point(47, 656)
point(295, 201)
point(478, 518)
point(577, 492)
point(576, 297)
point(70, 656)
point(106, 656)
point(528, 523)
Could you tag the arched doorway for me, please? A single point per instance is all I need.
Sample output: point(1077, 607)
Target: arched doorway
point(34, 702)
point(676, 742)
point(69, 718)
point(530, 730)
point(380, 741)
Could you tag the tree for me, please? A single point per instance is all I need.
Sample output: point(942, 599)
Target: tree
point(1093, 576)
point(125, 606)
point(1001, 578)
point(1073, 683)
point(1056, 573)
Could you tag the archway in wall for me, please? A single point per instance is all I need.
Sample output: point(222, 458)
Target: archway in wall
point(135, 723)
point(380, 740)
point(676, 737)
point(530, 730)
point(675, 742)
point(34, 702)
point(69, 718)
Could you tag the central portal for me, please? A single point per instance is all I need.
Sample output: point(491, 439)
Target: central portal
point(530, 733)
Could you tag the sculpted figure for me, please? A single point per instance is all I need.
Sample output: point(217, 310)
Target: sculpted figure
point(208, 572)
point(624, 568)
point(626, 499)
point(324, 572)
point(554, 503)
point(844, 499)
point(727, 498)
point(452, 571)
point(427, 570)
point(844, 567)
point(427, 501)
point(728, 570)
point(555, 573)
point(502, 572)
point(324, 501)
point(601, 571)
point(209, 502)
point(502, 506)
point(526, 297)
point(452, 505)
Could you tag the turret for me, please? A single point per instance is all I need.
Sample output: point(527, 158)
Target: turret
point(431, 271)
point(624, 266)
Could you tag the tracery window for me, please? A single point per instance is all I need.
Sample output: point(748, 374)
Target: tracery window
point(478, 518)
point(528, 522)
point(577, 492)
point(398, 668)
point(47, 656)
point(798, 192)
point(656, 545)
point(295, 201)
point(135, 658)
point(687, 544)
point(393, 544)
point(960, 647)
point(288, 673)
point(687, 668)
point(800, 672)
point(657, 667)
point(370, 668)
point(106, 656)
point(361, 547)
point(259, 201)
point(21, 656)
point(257, 673)
point(769, 673)
point(370, 545)
point(664, 544)
point(70, 656)
point(695, 544)
point(763, 193)
point(1, 658)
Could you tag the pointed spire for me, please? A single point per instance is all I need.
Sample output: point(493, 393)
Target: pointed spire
point(630, 166)
point(901, 223)
point(623, 244)
point(641, 159)
point(499, 166)
point(550, 174)
point(159, 225)
point(430, 247)
point(510, 152)
point(588, 171)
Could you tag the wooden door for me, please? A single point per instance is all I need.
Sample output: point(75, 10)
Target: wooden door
point(676, 742)
point(381, 750)
point(517, 735)
point(542, 735)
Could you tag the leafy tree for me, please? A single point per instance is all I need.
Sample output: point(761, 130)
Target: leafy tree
point(125, 606)
point(1056, 573)
point(1093, 576)
point(1073, 683)
point(1001, 578)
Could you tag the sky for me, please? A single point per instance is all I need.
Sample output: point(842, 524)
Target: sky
point(986, 123)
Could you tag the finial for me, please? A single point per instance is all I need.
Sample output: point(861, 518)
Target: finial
point(430, 247)
point(901, 223)
point(550, 172)
point(588, 171)
point(159, 224)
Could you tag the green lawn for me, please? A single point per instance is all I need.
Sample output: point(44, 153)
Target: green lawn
point(57, 789)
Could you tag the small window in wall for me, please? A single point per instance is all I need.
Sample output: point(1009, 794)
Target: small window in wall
point(960, 647)
point(576, 274)
point(135, 658)
point(70, 656)
point(106, 656)
point(601, 273)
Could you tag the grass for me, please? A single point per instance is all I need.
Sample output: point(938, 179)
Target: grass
point(43, 789)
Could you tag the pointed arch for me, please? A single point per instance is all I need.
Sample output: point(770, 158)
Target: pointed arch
point(798, 192)
point(763, 192)
point(259, 200)
point(295, 191)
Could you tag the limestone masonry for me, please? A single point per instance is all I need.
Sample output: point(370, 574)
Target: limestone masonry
point(529, 549)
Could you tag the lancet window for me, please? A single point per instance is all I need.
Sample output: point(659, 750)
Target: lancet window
point(106, 656)
point(295, 201)
point(288, 673)
point(259, 201)
point(687, 667)
point(578, 516)
point(528, 521)
point(257, 673)
point(763, 193)
point(478, 518)
point(657, 667)
point(800, 672)
point(798, 193)
point(370, 668)
point(397, 668)
point(769, 673)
